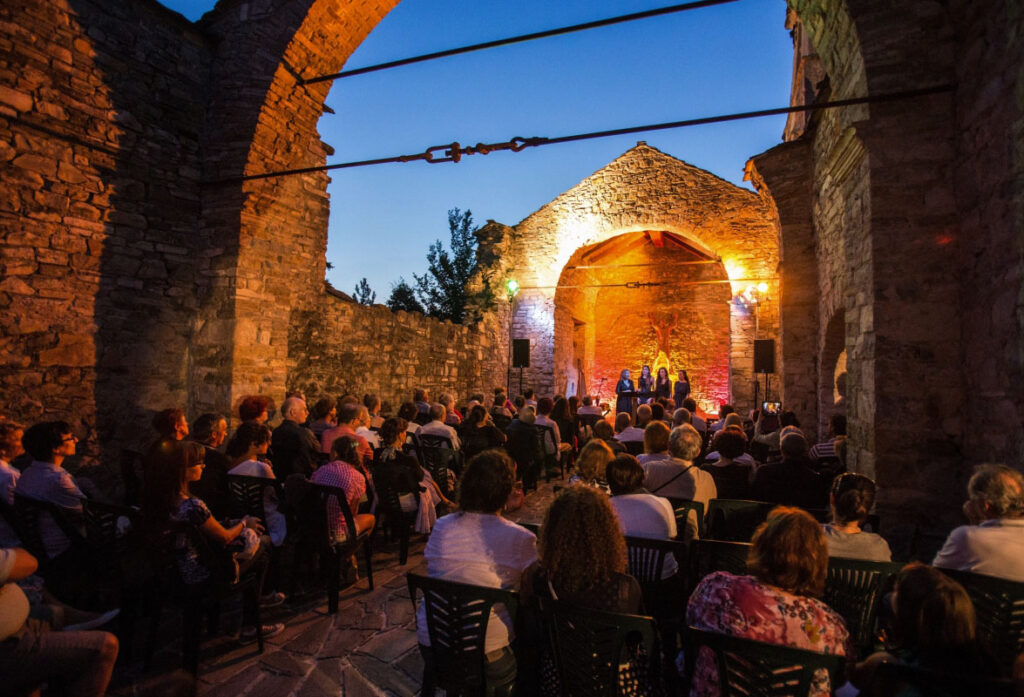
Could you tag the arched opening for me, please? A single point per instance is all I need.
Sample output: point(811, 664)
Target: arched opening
point(639, 298)
point(832, 371)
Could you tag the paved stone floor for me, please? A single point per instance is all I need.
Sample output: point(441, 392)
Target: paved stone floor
point(367, 649)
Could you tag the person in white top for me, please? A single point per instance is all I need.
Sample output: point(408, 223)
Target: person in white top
point(10, 448)
point(476, 545)
point(678, 478)
point(640, 513)
point(993, 543)
point(249, 442)
point(624, 430)
point(655, 443)
point(543, 408)
point(364, 428)
point(589, 407)
point(437, 426)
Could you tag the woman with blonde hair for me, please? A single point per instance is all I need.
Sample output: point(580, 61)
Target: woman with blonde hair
point(591, 464)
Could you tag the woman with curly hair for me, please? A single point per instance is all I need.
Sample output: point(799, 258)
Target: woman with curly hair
point(590, 466)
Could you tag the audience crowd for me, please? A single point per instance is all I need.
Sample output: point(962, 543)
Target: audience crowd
point(450, 470)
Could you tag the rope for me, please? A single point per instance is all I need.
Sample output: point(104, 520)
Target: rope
point(517, 39)
point(453, 152)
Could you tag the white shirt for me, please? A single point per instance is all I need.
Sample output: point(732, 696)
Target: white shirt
point(695, 484)
point(631, 434)
point(372, 438)
point(482, 549)
point(436, 428)
point(994, 548)
point(276, 522)
point(646, 515)
point(651, 457)
point(592, 409)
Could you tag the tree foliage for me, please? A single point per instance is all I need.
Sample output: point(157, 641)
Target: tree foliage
point(403, 297)
point(363, 294)
point(442, 289)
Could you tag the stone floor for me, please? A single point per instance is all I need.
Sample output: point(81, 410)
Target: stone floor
point(367, 649)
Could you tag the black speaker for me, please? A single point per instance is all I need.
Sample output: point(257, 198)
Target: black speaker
point(764, 355)
point(520, 353)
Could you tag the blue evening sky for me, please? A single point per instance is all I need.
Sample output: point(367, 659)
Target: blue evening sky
point(717, 60)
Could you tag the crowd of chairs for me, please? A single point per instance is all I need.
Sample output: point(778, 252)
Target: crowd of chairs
point(588, 645)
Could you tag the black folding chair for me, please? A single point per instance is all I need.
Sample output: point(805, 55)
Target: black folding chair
point(333, 550)
point(854, 588)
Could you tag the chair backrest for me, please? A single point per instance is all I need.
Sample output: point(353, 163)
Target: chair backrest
point(735, 520)
point(854, 588)
point(999, 606)
point(457, 617)
point(758, 669)
point(432, 440)
point(588, 419)
point(633, 447)
point(547, 439)
point(247, 494)
point(590, 645)
point(30, 513)
point(501, 421)
point(708, 556)
point(522, 445)
point(330, 499)
point(646, 558)
point(10, 516)
point(101, 525)
point(682, 508)
point(438, 460)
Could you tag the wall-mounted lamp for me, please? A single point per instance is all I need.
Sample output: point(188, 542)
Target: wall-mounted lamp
point(512, 287)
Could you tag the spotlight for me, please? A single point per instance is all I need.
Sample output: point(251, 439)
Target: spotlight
point(762, 287)
point(512, 286)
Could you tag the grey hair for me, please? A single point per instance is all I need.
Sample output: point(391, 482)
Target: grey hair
point(437, 411)
point(527, 415)
point(289, 405)
point(1001, 487)
point(684, 442)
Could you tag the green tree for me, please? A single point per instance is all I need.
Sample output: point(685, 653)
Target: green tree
point(363, 294)
point(403, 297)
point(442, 289)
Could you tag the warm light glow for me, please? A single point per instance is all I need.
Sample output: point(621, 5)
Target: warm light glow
point(512, 286)
point(762, 287)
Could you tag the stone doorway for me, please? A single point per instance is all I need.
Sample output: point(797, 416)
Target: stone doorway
point(647, 297)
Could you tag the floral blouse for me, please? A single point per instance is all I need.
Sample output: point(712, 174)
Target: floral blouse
point(745, 607)
point(194, 512)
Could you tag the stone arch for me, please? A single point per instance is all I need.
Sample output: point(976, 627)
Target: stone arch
point(833, 353)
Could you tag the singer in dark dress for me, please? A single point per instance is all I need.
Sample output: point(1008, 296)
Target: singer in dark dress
point(624, 391)
point(646, 384)
point(662, 384)
point(682, 389)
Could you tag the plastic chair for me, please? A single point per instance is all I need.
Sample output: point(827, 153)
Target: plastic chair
point(756, 669)
point(708, 556)
point(550, 461)
point(439, 458)
point(633, 447)
point(682, 508)
point(854, 588)
point(30, 513)
point(664, 599)
point(590, 645)
point(247, 493)
point(734, 520)
point(999, 606)
point(457, 617)
point(333, 551)
point(399, 523)
point(524, 447)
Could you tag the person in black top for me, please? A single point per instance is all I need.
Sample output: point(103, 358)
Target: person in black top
point(791, 482)
point(662, 384)
point(732, 478)
point(211, 430)
point(624, 391)
point(293, 447)
point(646, 383)
point(682, 389)
point(478, 432)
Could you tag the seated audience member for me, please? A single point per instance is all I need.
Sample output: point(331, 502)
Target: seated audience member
point(254, 408)
point(603, 431)
point(295, 449)
point(723, 413)
point(993, 542)
point(324, 415)
point(211, 430)
point(31, 655)
point(644, 414)
point(732, 474)
point(348, 421)
point(345, 470)
point(437, 427)
point(589, 407)
point(850, 500)
point(679, 478)
point(49, 443)
point(10, 448)
point(248, 444)
point(778, 603)
point(170, 424)
point(452, 417)
point(478, 432)
point(690, 404)
point(681, 416)
point(500, 406)
point(373, 407)
point(407, 411)
point(564, 417)
point(544, 407)
point(363, 429)
point(529, 399)
point(657, 411)
point(791, 482)
point(421, 398)
point(396, 471)
point(935, 630)
point(655, 443)
point(640, 514)
point(837, 431)
point(519, 402)
point(476, 545)
point(769, 429)
point(625, 432)
point(168, 500)
point(590, 465)
point(582, 562)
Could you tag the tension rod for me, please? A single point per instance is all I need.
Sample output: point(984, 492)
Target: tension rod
point(517, 39)
point(453, 152)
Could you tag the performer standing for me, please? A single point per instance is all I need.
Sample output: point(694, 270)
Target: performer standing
point(662, 384)
point(624, 391)
point(646, 384)
point(682, 389)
